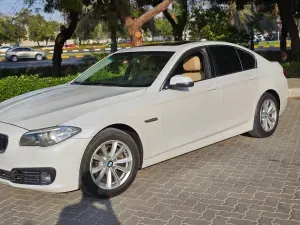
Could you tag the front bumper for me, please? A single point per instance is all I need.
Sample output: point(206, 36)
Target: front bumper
point(64, 157)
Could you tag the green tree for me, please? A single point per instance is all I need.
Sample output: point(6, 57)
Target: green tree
point(288, 11)
point(41, 29)
point(13, 29)
point(163, 27)
point(213, 24)
point(73, 10)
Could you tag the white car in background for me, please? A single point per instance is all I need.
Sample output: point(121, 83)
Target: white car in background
point(136, 108)
point(4, 49)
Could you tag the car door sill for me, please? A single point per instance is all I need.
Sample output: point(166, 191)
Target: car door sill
point(203, 142)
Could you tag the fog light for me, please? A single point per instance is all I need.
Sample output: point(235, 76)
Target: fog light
point(45, 177)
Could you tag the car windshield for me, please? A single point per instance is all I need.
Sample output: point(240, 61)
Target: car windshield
point(130, 69)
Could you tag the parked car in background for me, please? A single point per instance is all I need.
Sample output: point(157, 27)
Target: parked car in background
point(17, 53)
point(4, 49)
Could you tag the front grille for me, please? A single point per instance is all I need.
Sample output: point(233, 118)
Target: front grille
point(25, 177)
point(3, 142)
point(4, 174)
point(31, 176)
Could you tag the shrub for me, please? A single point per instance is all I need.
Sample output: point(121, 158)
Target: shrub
point(13, 86)
point(292, 68)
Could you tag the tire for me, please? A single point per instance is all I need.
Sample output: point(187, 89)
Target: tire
point(259, 130)
point(39, 57)
point(14, 58)
point(88, 179)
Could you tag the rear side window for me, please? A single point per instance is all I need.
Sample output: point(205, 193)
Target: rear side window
point(226, 60)
point(248, 61)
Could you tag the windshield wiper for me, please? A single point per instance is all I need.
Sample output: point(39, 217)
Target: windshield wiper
point(90, 83)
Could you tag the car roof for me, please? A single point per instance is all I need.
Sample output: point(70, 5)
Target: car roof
point(175, 46)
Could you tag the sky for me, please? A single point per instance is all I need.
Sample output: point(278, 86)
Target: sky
point(11, 7)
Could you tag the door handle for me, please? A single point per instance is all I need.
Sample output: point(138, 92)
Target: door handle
point(253, 77)
point(213, 87)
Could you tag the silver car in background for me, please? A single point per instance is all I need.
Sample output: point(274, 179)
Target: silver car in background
point(17, 53)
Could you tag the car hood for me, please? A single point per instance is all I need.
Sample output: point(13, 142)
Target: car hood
point(56, 105)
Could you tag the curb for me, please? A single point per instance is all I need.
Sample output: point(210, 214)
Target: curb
point(69, 56)
point(294, 92)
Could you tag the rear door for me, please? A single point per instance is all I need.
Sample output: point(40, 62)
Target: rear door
point(28, 53)
point(237, 74)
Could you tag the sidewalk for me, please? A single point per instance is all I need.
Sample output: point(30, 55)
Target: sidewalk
point(294, 87)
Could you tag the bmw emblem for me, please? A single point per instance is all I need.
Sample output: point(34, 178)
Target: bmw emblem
point(110, 164)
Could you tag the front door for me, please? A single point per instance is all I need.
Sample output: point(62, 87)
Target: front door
point(189, 115)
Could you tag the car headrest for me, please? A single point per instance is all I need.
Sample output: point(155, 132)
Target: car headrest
point(192, 64)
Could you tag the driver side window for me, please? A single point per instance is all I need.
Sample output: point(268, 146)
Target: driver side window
point(192, 65)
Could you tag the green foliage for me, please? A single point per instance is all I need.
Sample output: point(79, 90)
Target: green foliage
point(100, 56)
point(42, 30)
point(13, 86)
point(13, 29)
point(163, 27)
point(213, 24)
point(292, 69)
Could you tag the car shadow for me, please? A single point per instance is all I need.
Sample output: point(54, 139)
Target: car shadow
point(89, 210)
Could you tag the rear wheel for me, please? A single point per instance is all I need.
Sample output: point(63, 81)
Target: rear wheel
point(109, 164)
point(14, 58)
point(38, 57)
point(266, 116)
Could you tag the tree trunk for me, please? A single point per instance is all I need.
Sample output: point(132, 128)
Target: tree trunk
point(288, 19)
point(134, 26)
point(38, 43)
point(47, 40)
point(232, 11)
point(113, 36)
point(177, 33)
point(252, 37)
point(283, 48)
point(62, 37)
point(177, 28)
point(137, 39)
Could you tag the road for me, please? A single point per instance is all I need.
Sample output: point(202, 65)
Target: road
point(241, 180)
point(33, 63)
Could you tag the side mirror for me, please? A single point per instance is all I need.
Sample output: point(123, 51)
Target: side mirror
point(180, 81)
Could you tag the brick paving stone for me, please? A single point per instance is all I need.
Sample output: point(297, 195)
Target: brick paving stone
point(241, 180)
point(252, 215)
point(265, 221)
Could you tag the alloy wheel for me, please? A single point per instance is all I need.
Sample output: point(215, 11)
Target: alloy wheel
point(111, 164)
point(268, 115)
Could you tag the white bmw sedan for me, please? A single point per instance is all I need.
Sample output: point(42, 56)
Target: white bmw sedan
point(136, 108)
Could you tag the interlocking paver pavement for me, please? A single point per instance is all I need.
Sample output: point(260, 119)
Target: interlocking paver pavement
point(238, 181)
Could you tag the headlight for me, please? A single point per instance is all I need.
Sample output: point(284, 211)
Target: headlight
point(48, 136)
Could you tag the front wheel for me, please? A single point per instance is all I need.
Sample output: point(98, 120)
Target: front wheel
point(14, 58)
point(110, 164)
point(266, 116)
point(38, 57)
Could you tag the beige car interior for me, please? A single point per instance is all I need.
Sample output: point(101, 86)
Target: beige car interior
point(193, 68)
